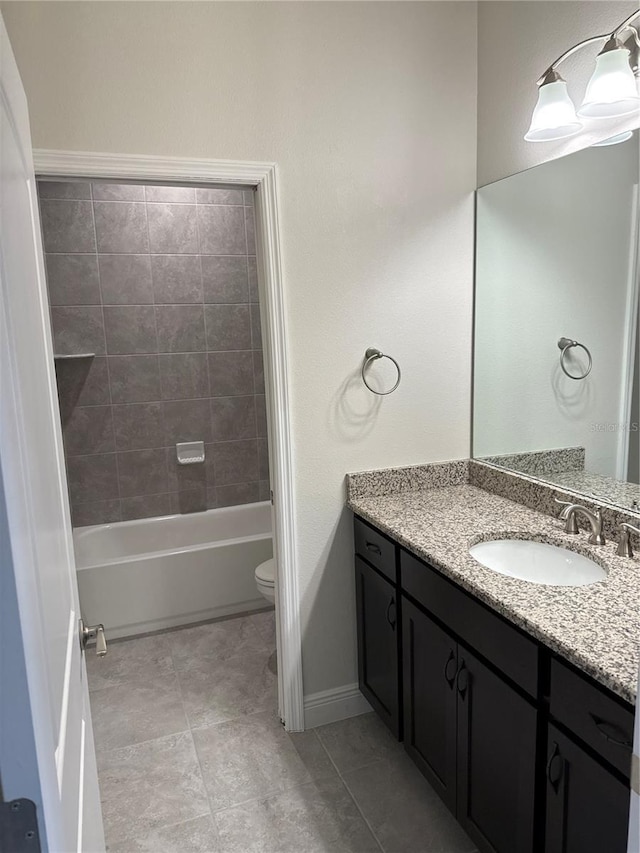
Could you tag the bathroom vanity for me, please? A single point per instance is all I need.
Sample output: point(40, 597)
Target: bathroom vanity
point(515, 700)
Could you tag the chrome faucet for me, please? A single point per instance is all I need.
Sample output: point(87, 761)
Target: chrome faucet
point(569, 513)
point(624, 543)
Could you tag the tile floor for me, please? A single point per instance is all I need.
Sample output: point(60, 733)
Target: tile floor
point(192, 758)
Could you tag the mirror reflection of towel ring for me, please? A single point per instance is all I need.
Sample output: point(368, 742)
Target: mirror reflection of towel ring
point(565, 344)
point(371, 355)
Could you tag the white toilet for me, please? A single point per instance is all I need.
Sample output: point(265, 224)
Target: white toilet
point(266, 580)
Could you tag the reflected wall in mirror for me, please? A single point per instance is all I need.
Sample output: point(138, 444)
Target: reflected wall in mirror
point(557, 257)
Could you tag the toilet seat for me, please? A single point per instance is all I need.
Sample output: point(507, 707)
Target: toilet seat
point(266, 572)
point(266, 579)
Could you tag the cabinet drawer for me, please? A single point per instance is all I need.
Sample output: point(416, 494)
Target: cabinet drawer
point(376, 549)
point(507, 649)
point(593, 715)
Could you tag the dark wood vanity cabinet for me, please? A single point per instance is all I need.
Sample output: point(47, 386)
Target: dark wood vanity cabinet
point(378, 618)
point(531, 755)
point(470, 733)
point(587, 806)
point(378, 650)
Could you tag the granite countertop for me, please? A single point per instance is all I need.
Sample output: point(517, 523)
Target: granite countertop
point(595, 627)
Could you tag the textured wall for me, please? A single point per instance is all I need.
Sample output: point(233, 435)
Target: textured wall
point(517, 41)
point(372, 122)
point(160, 283)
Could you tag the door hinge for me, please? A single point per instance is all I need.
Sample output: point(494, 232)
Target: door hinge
point(19, 827)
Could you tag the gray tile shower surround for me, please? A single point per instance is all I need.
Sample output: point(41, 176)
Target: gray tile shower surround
point(192, 758)
point(160, 283)
point(437, 511)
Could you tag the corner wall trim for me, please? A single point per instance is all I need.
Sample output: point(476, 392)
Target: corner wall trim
point(329, 706)
point(86, 164)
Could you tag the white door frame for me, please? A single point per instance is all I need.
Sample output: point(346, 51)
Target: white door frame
point(83, 164)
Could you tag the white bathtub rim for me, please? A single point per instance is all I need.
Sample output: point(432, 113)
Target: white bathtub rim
point(172, 552)
point(157, 519)
point(85, 533)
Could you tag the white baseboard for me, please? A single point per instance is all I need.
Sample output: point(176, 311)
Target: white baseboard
point(329, 706)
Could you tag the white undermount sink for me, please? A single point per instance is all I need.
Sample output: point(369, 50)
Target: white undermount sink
point(537, 562)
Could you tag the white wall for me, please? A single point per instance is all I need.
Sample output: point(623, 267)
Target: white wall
point(517, 41)
point(373, 129)
point(555, 257)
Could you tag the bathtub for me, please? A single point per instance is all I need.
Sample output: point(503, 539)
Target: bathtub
point(154, 573)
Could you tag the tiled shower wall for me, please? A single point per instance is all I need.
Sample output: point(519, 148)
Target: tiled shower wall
point(160, 283)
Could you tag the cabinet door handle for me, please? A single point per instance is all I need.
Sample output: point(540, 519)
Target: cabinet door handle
point(375, 549)
point(555, 768)
point(392, 622)
point(450, 669)
point(611, 732)
point(462, 681)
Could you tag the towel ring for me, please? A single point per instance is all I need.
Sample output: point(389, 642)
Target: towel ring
point(371, 355)
point(565, 344)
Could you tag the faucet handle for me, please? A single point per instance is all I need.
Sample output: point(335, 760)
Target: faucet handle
point(624, 543)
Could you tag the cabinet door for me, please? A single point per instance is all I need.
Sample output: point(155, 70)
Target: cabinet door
point(378, 644)
point(587, 806)
point(496, 759)
point(429, 676)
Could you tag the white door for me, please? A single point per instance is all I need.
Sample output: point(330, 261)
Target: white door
point(51, 717)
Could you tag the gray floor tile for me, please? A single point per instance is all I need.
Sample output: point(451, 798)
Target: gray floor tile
point(193, 836)
point(248, 758)
point(149, 786)
point(403, 810)
point(214, 641)
point(358, 741)
point(317, 818)
point(215, 691)
point(134, 712)
point(265, 622)
point(313, 754)
point(129, 660)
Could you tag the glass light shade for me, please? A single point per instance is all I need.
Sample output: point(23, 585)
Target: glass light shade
point(554, 116)
point(614, 140)
point(612, 89)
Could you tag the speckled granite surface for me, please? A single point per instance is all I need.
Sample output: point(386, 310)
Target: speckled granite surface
point(596, 627)
point(541, 463)
point(599, 487)
point(538, 495)
point(388, 480)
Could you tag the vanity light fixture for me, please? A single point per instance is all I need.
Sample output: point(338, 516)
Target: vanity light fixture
point(611, 92)
point(614, 140)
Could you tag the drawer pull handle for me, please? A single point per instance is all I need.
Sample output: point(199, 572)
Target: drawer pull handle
point(611, 732)
point(450, 669)
point(555, 768)
point(463, 680)
point(392, 622)
point(375, 549)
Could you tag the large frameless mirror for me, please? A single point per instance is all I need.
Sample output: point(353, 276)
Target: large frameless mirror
point(556, 365)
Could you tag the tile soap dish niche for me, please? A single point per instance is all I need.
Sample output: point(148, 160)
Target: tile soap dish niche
point(190, 452)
